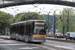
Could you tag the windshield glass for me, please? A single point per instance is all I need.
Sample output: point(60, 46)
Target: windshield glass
point(39, 30)
point(59, 33)
point(72, 34)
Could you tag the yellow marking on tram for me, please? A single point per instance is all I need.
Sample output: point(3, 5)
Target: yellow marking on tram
point(40, 23)
point(39, 36)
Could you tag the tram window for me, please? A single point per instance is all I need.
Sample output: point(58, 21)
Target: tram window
point(21, 29)
point(27, 29)
point(16, 29)
point(11, 30)
point(32, 28)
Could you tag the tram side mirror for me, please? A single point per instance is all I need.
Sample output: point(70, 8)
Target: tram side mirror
point(46, 26)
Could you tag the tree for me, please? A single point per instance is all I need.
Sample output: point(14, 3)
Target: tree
point(49, 19)
point(5, 20)
point(27, 16)
point(17, 18)
point(71, 20)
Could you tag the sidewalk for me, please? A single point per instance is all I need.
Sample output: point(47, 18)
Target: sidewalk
point(4, 37)
point(55, 38)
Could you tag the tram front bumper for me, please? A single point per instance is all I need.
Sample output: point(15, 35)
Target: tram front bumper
point(38, 40)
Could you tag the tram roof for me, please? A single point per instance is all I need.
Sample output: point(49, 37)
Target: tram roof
point(26, 21)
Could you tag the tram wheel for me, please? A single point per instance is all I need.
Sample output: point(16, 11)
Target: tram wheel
point(26, 40)
point(16, 38)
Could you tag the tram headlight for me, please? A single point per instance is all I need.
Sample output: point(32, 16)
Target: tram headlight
point(45, 36)
point(33, 35)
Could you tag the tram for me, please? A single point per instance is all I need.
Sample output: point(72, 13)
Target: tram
point(29, 31)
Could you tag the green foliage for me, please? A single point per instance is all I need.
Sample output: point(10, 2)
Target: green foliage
point(46, 18)
point(49, 19)
point(27, 16)
point(5, 20)
point(71, 20)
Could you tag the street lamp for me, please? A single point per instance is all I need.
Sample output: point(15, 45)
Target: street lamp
point(68, 21)
point(48, 18)
point(54, 11)
point(54, 18)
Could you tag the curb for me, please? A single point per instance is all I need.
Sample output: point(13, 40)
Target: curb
point(5, 38)
point(61, 40)
point(47, 39)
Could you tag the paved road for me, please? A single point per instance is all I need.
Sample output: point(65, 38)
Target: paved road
point(49, 45)
point(17, 45)
point(62, 45)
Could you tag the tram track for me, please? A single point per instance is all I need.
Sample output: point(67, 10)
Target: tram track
point(48, 45)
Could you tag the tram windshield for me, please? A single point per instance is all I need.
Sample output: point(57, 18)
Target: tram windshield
point(39, 30)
